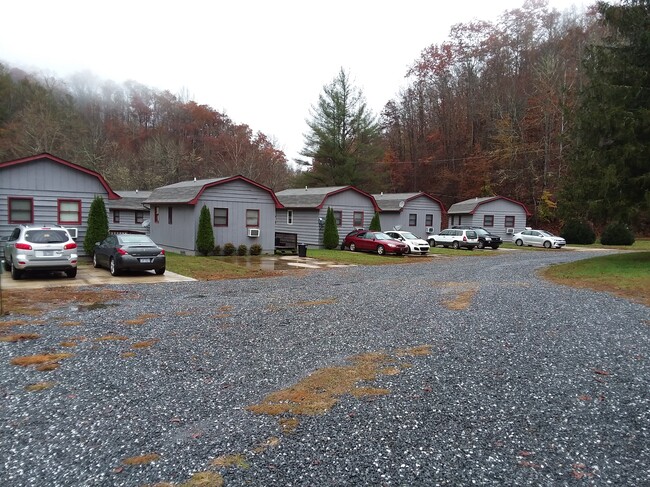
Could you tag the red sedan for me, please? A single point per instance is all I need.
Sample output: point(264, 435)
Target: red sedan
point(374, 242)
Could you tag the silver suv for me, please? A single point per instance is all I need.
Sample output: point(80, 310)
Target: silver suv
point(456, 238)
point(40, 248)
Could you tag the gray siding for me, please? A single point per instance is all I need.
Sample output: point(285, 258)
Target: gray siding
point(421, 207)
point(46, 182)
point(237, 196)
point(499, 209)
point(127, 221)
point(306, 223)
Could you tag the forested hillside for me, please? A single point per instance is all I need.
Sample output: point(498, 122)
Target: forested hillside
point(506, 107)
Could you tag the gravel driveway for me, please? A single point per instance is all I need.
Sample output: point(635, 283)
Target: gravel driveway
point(526, 382)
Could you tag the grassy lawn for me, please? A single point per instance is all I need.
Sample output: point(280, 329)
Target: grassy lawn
point(626, 275)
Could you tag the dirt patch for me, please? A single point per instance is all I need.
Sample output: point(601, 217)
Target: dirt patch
point(37, 301)
point(459, 296)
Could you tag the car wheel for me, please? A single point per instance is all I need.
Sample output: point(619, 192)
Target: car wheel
point(7, 265)
point(381, 250)
point(432, 243)
point(481, 244)
point(455, 245)
point(547, 244)
point(15, 273)
point(495, 247)
point(71, 273)
point(408, 250)
point(95, 263)
point(113, 268)
point(160, 272)
point(519, 242)
point(353, 247)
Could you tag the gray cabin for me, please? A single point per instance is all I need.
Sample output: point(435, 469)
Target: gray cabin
point(418, 213)
point(497, 214)
point(129, 214)
point(304, 210)
point(44, 189)
point(241, 210)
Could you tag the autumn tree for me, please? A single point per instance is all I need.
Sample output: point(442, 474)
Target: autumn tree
point(343, 140)
point(609, 177)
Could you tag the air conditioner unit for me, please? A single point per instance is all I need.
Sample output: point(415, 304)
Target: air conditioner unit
point(510, 231)
point(429, 229)
point(72, 232)
point(253, 232)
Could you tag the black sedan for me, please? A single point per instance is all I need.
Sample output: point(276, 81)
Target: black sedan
point(128, 252)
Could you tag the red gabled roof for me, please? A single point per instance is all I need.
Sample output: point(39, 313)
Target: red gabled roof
point(111, 194)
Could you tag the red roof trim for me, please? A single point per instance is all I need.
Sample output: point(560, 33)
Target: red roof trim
point(195, 200)
point(368, 195)
point(111, 194)
point(528, 213)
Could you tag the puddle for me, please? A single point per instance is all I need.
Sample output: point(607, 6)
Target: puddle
point(91, 306)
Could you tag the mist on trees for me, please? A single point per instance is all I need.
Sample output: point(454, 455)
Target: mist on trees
point(136, 137)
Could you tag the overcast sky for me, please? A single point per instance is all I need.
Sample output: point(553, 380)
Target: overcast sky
point(261, 62)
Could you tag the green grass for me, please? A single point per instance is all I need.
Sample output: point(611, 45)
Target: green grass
point(210, 268)
point(639, 244)
point(626, 275)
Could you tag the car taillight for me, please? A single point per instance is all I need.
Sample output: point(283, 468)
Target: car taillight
point(23, 246)
point(464, 238)
point(121, 251)
point(70, 246)
point(162, 252)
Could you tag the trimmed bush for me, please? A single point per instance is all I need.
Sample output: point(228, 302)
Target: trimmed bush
point(578, 232)
point(617, 234)
point(330, 232)
point(217, 250)
point(256, 249)
point(97, 224)
point(375, 224)
point(205, 235)
point(229, 249)
point(242, 250)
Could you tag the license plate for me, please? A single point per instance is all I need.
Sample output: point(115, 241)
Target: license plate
point(145, 261)
point(46, 253)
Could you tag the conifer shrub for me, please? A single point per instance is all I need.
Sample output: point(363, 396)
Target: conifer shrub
point(617, 234)
point(578, 232)
point(375, 223)
point(330, 232)
point(97, 229)
point(229, 249)
point(256, 249)
point(205, 235)
point(242, 250)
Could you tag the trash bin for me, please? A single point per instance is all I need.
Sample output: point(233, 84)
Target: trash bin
point(302, 250)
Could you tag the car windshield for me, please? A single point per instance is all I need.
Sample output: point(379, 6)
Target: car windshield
point(480, 231)
point(46, 236)
point(382, 236)
point(546, 234)
point(135, 239)
point(409, 236)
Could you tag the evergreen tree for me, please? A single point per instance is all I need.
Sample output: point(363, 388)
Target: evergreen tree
point(609, 177)
point(204, 235)
point(343, 140)
point(375, 224)
point(97, 229)
point(330, 232)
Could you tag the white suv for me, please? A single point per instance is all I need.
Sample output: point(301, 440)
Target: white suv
point(40, 248)
point(456, 238)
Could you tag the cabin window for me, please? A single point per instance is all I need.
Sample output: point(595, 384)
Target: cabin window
point(220, 217)
point(357, 219)
point(488, 220)
point(510, 221)
point(413, 219)
point(289, 217)
point(156, 214)
point(69, 212)
point(252, 218)
point(139, 216)
point(428, 220)
point(338, 218)
point(170, 214)
point(116, 216)
point(21, 210)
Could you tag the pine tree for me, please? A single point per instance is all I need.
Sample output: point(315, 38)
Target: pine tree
point(205, 235)
point(330, 232)
point(97, 228)
point(375, 224)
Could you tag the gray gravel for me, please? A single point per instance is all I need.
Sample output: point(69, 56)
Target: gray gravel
point(533, 384)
